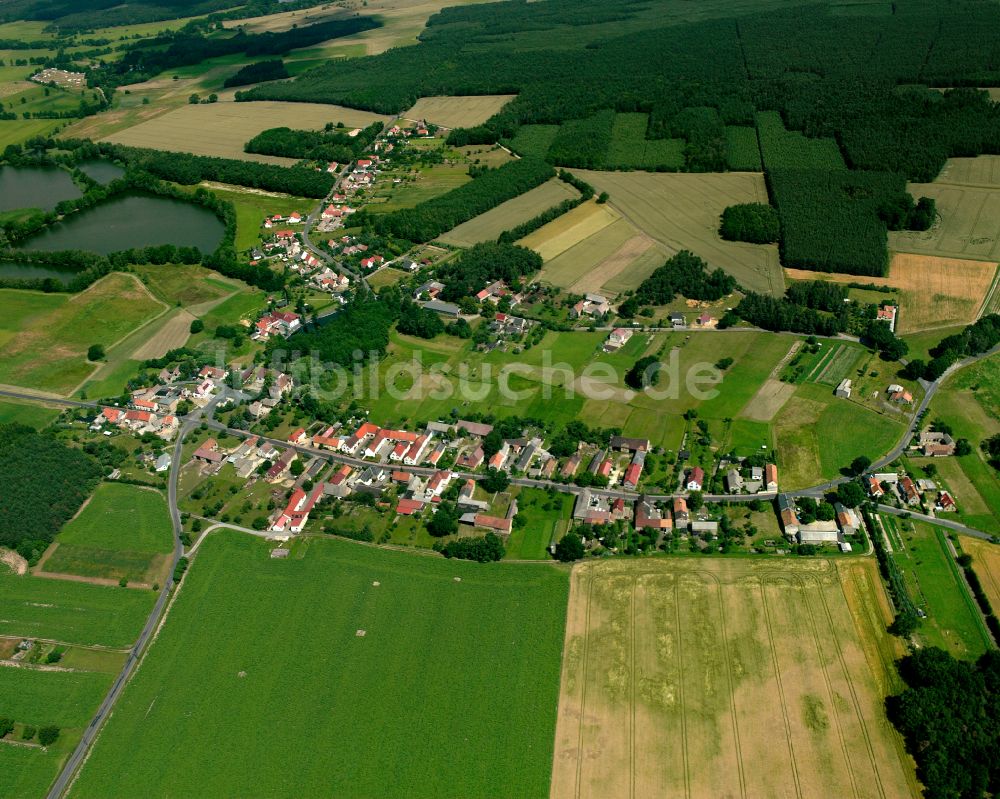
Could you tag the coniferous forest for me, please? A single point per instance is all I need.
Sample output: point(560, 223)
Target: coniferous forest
point(848, 106)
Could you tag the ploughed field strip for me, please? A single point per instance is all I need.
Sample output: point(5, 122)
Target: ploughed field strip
point(726, 678)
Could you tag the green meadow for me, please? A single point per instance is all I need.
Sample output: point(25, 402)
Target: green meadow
point(326, 672)
point(933, 580)
point(70, 612)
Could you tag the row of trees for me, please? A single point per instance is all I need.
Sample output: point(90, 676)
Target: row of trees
point(258, 72)
point(188, 169)
point(977, 338)
point(486, 549)
point(431, 218)
point(185, 47)
point(332, 144)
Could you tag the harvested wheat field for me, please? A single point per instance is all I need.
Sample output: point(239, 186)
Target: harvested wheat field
point(221, 129)
point(458, 112)
point(967, 194)
point(568, 230)
point(612, 267)
point(727, 678)
point(986, 564)
point(934, 291)
point(682, 211)
point(172, 335)
point(286, 20)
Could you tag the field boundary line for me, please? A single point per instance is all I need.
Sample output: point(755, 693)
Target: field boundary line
point(583, 683)
point(781, 688)
point(634, 679)
point(800, 580)
point(989, 298)
point(729, 680)
point(680, 685)
point(854, 695)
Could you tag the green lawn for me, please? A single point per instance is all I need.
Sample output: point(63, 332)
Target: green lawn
point(26, 772)
point(252, 209)
point(75, 613)
point(45, 337)
point(122, 517)
point(545, 520)
point(31, 414)
point(451, 691)
point(953, 622)
point(38, 698)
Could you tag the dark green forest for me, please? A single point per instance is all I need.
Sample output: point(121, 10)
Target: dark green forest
point(32, 509)
point(843, 97)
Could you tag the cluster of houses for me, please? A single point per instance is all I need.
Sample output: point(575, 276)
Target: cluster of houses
point(597, 509)
point(596, 306)
point(752, 480)
point(140, 417)
point(933, 444)
point(911, 492)
point(846, 522)
point(276, 323)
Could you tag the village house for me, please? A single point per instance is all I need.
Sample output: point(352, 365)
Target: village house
point(843, 390)
point(874, 487)
point(734, 481)
point(569, 468)
point(677, 320)
point(634, 470)
point(908, 491)
point(649, 517)
point(296, 513)
point(945, 503)
point(936, 445)
point(681, 515)
point(593, 305)
point(428, 290)
point(617, 338)
point(787, 515)
point(695, 479)
point(504, 324)
point(471, 459)
point(771, 477)
point(887, 314)
point(847, 519)
point(279, 468)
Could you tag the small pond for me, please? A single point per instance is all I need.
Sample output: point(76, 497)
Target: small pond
point(101, 171)
point(35, 187)
point(23, 271)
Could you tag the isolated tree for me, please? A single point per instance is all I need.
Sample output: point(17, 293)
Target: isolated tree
point(197, 326)
point(644, 372)
point(95, 352)
point(48, 735)
point(445, 521)
point(569, 548)
point(860, 464)
point(495, 481)
point(850, 494)
point(297, 468)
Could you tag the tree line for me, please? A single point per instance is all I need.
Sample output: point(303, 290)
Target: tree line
point(188, 169)
point(431, 218)
point(333, 144)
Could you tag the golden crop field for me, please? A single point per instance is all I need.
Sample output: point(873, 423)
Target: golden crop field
point(569, 229)
point(933, 291)
point(986, 563)
point(221, 129)
point(457, 112)
point(682, 211)
point(967, 193)
point(727, 678)
point(273, 23)
point(512, 213)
